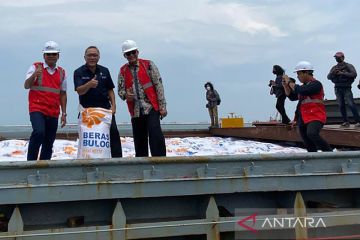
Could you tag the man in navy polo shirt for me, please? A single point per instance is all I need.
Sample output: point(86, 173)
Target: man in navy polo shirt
point(95, 87)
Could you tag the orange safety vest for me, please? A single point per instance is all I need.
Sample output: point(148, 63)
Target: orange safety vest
point(312, 107)
point(44, 95)
point(145, 82)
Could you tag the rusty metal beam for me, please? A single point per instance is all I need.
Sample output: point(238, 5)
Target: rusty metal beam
point(333, 112)
point(334, 136)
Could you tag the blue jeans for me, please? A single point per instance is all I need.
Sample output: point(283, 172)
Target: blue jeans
point(345, 95)
point(43, 134)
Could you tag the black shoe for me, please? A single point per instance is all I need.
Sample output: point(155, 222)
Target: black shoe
point(286, 121)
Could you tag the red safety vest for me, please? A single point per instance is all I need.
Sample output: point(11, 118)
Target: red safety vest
point(144, 80)
point(312, 107)
point(44, 95)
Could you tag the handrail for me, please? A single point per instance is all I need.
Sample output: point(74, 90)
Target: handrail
point(177, 160)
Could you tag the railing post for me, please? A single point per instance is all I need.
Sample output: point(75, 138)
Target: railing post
point(16, 224)
point(300, 212)
point(212, 214)
point(119, 221)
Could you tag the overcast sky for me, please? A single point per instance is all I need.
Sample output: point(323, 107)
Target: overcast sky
point(233, 44)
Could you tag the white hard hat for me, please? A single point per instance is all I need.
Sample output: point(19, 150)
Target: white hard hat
point(51, 47)
point(128, 46)
point(304, 66)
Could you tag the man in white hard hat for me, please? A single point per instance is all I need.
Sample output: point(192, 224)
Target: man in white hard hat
point(140, 84)
point(95, 87)
point(343, 75)
point(47, 95)
point(310, 111)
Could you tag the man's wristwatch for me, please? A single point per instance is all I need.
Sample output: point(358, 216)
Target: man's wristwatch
point(64, 114)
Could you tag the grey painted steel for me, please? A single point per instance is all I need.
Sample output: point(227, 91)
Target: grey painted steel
point(114, 193)
point(208, 226)
point(152, 177)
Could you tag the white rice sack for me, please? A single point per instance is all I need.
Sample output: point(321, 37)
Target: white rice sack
point(64, 149)
point(13, 150)
point(94, 133)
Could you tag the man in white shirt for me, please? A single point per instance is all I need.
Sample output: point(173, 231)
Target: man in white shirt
point(47, 84)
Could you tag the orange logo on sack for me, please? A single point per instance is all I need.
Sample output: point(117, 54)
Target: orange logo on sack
point(69, 150)
point(91, 117)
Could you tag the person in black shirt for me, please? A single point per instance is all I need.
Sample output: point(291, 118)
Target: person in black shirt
point(278, 91)
point(95, 87)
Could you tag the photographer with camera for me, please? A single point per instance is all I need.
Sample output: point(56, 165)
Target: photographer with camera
point(277, 89)
point(343, 75)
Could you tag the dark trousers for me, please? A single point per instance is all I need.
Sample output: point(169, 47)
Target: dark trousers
point(115, 142)
point(146, 128)
point(310, 134)
point(280, 106)
point(345, 95)
point(43, 134)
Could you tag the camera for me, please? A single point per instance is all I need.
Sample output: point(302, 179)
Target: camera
point(270, 83)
